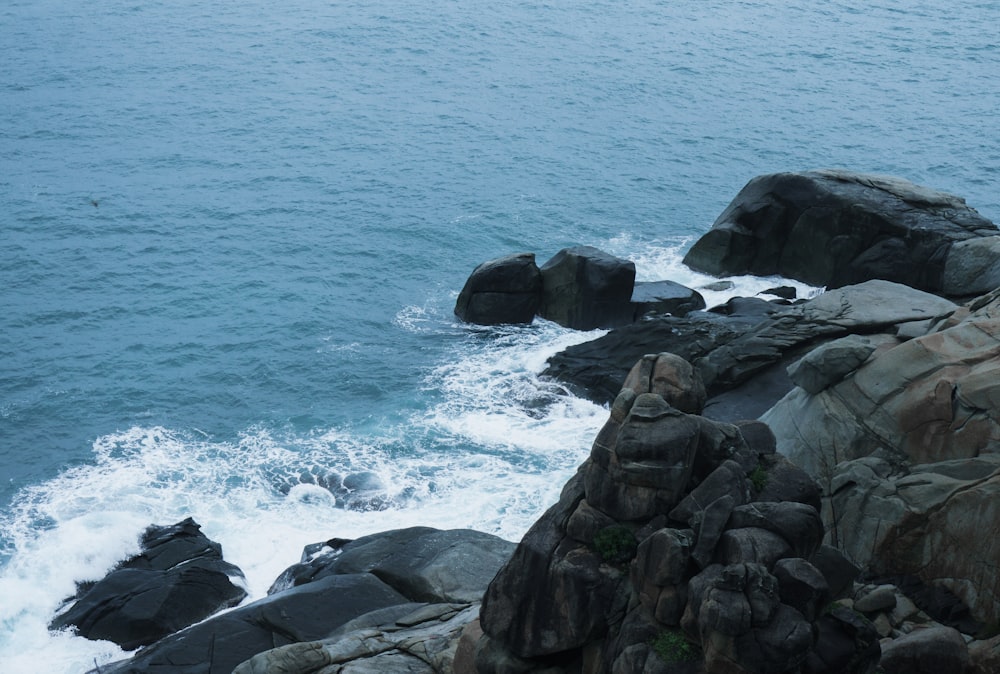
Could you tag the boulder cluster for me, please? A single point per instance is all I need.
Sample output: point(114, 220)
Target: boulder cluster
point(581, 288)
point(681, 540)
point(786, 486)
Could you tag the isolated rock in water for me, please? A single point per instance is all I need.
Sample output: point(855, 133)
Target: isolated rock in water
point(178, 579)
point(665, 297)
point(585, 288)
point(834, 228)
point(504, 290)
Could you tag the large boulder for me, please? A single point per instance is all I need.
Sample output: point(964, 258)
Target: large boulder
point(504, 290)
point(972, 267)
point(422, 563)
point(834, 228)
point(178, 579)
point(585, 288)
point(305, 613)
point(938, 522)
point(665, 297)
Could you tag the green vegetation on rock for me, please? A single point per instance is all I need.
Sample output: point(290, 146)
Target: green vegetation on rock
point(615, 544)
point(673, 647)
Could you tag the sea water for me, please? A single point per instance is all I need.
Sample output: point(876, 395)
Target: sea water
point(232, 235)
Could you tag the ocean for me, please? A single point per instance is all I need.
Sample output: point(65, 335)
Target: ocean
point(232, 237)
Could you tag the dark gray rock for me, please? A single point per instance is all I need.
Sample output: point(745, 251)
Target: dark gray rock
point(555, 594)
point(834, 228)
point(585, 288)
point(787, 482)
point(797, 523)
point(752, 545)
point(504, 290)
point(665, 297)
point(178, 579)
point(839, 571)
point(802, 586)
point(846, 643)
point(597, 369)
point(305, 613)
point(421, 563)
point(926, 651)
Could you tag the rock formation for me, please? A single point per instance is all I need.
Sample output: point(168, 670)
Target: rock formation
point(505, 290)
point(905, 437)
point(394, 601)
point(660, 546)
point(834, 228)
point(582, 288)
point(177, 579)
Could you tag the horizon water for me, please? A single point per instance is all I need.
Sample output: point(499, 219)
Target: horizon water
point(233, 236)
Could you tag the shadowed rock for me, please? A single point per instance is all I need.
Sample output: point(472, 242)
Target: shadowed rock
point(834, 228)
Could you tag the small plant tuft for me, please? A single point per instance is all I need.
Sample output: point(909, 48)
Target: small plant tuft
point(672, 647)
point(615, 544)
point(759, 478)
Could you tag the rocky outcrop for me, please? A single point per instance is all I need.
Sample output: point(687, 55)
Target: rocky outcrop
point(395, 601)
point(660, 549)
point(834, 228)
point(178, 579)
point(423, 563)
point(730, 351)
point(665, 297)
point(505, 290)
point(585, 288)
point(413, 638)
point(906, 442)
point(582, 288)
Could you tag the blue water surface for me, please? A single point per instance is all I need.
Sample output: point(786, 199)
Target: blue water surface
point(234, 218)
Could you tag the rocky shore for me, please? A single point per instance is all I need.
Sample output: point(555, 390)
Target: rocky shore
point(782, 486)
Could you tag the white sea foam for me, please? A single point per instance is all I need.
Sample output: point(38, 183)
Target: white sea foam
point(659, 260)
point(490, 451)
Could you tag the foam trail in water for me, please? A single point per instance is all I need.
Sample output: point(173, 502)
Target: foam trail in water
point(490, 450)
point(659, 260)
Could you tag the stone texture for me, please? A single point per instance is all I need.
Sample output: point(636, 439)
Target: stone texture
point(178, 579)
point(926, 651)
point(422, 563)
point(504, 290)
point(585, 288)
point(834, 228)
point(305, 613)
point(665, 297)
point(972, 267)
